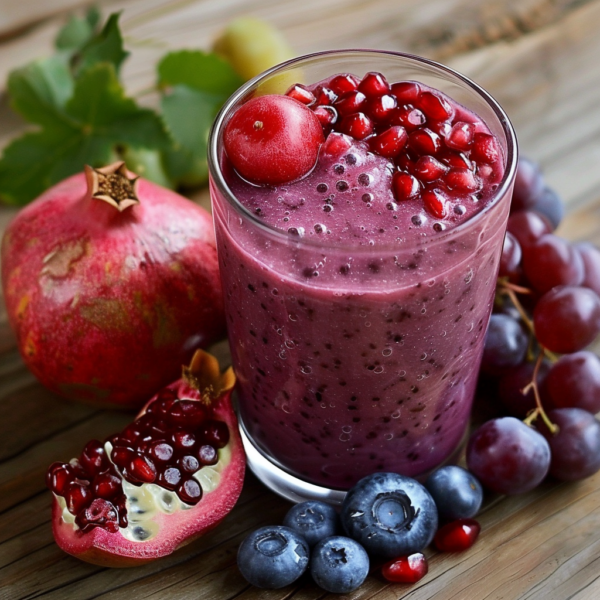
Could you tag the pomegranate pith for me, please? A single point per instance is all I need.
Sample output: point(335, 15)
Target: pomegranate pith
point(98, 499)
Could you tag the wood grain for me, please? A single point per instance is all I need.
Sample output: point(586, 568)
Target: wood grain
point(540, 58)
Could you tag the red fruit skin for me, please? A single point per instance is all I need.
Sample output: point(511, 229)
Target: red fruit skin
point(107, 305)
point(106, 549)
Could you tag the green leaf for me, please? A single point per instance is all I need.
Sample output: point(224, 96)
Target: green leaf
point(99, 104)
point(39, 91)
point(107, 46)
point(201, 71)
point(93, 17)
point(74, 35)
point(99, 119)
point(189, 115)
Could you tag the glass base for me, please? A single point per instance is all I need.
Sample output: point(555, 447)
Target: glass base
point(297, 490)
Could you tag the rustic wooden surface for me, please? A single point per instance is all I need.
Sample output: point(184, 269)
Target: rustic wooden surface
point(541, 59)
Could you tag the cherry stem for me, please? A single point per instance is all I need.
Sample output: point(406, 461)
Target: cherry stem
point(539, 410)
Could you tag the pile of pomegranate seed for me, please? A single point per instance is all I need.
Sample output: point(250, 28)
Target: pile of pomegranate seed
point(165, 446)
point(438, 157)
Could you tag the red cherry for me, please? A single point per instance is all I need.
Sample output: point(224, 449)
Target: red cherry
point(273, 139)
point(457, 536)
point(406, 569)
point(356, 125)
point(389, 142)
point(374, 84)
point(300, 93)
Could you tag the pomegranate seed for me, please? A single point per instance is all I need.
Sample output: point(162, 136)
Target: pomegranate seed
point(336, 144)
point(406, 92)
point(161, 451)
point(429, 169)
point(77, 497)
point(424, 141)
point(350, 102)
point(300, 93)
point(406, 569)
point(357, 125)
point(435, 106)
point(410, 118)
point(142, 469)
point(215, 433)
point(461, 136)
point(341, 84)
point(188, 463)
point(169, 478)
point(405, 186)
point(405, 163)
point(435, 203)
point(461, 179)
point(187, 413)
point(324, 96)
point(208, 455)
point(380, 108)
point(442, 128)
point(131, 433)
point(59, 475)
point(484, 148)
point(389, 142)
point(99, 513)
point(93, 457)
point(183, 440)
point(374, 84)
point(457, 536)
point(453, 159)
point(121, 456)
point(327, 116)
point(190, 491)
point(162, 405)
point(106, 485)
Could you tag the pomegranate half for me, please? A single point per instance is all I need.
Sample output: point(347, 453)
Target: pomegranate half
point(167, 478)
point(111, 282)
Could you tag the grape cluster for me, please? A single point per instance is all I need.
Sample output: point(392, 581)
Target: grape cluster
point(547, 311)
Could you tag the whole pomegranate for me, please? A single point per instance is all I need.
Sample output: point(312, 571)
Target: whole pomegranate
point(167, 478)
point(111, 282)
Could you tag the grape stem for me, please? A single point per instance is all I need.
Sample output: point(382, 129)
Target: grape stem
point(539, 410)
point(511, 290)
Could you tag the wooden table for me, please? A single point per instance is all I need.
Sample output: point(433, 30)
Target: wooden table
point(541, 60)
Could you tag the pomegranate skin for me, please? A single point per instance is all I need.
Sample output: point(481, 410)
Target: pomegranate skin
point(176, 530)
point(107, 305)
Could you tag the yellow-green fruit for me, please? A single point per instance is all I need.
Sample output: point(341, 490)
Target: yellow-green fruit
point(252, 46)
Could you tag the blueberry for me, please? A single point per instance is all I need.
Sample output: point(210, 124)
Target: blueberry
point(273, 557)
point(313, 520)
point(339, 564)
point(390, 515)
point(456, 492)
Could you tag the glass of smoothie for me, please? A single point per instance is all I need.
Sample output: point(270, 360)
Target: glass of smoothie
point(358, 294)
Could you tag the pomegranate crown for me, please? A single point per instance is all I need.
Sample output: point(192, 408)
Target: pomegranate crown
point(204, 374)
point(113, 184)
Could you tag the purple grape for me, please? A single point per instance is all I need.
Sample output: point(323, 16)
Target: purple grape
point(591, 265)
point(576, 446)
point(508, 456)
point(505, 344)
point(549, 204)
point(529, 184)
point(574, 381)
point(567, 319)
point(528, 227)
point(511, 257)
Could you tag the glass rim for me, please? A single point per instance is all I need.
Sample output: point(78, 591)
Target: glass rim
point(217, 178)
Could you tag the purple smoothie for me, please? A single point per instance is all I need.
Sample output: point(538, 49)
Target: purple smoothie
point(356, 321)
